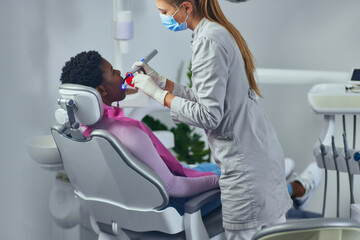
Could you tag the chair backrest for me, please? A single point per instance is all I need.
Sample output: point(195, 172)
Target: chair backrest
point(105, 174)
point(314, 229)
point(101, 167)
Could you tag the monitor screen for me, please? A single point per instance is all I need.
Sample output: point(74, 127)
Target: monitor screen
point(355, 76)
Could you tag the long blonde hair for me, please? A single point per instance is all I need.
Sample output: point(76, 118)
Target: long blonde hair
point(211, 10)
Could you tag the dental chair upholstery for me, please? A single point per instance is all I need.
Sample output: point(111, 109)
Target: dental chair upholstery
point(312, 229)
point(125, 198)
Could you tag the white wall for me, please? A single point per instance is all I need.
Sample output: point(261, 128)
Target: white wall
point(38, 36)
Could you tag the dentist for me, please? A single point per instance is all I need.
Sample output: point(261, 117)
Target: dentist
point(224, 102)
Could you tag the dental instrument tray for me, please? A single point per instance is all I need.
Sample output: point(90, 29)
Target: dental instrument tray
point(333, 99)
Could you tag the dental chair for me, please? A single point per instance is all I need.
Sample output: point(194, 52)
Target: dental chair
point(125, 198)
point(312, 229)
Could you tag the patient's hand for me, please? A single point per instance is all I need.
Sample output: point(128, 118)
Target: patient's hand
point(131, 91)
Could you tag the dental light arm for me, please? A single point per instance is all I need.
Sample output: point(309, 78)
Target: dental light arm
point(123, 30)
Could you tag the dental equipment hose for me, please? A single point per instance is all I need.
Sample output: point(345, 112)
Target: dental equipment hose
point(354, 144)
point(347, 158)
point(354, 133)
point(144, 60)
point(323, 154)
point(335, 155)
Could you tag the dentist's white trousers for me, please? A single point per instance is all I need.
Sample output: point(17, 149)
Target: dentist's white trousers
point(249, 233)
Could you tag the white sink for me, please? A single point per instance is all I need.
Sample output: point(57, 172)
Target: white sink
point(43, 150)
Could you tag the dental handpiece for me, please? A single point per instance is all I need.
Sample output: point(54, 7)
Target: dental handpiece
point(356, 157)
point(130, 74)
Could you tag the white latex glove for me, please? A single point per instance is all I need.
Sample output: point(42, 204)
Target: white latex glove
point(157, 78)
point(149, 87)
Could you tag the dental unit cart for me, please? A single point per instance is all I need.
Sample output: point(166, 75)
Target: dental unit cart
point(333, 100)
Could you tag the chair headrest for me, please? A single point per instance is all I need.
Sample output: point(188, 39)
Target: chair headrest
point(85, 103)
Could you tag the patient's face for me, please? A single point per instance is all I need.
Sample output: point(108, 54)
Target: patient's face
point(112, 83)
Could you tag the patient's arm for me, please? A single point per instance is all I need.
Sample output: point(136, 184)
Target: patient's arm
point(141, 146)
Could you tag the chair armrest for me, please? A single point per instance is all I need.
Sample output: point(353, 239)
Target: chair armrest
point(200, 200)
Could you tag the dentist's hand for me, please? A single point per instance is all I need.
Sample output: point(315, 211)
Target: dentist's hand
point(149, 87)
point(157, 78)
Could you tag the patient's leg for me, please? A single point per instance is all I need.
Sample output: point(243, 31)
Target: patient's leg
point(178, 203)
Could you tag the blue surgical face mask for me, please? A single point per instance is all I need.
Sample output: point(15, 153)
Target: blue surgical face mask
point(169, 22)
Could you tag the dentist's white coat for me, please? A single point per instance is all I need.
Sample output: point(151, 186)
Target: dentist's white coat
point(241, 138)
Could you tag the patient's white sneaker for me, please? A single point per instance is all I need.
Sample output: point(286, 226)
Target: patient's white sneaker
point(289, 167)
point(310, 179)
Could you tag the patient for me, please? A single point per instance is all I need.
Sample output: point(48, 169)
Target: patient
point(90, 69)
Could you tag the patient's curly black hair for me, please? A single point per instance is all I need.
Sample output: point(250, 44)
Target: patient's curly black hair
point(83, 69)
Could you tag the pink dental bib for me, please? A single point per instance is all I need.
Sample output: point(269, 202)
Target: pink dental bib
point(172, 163)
